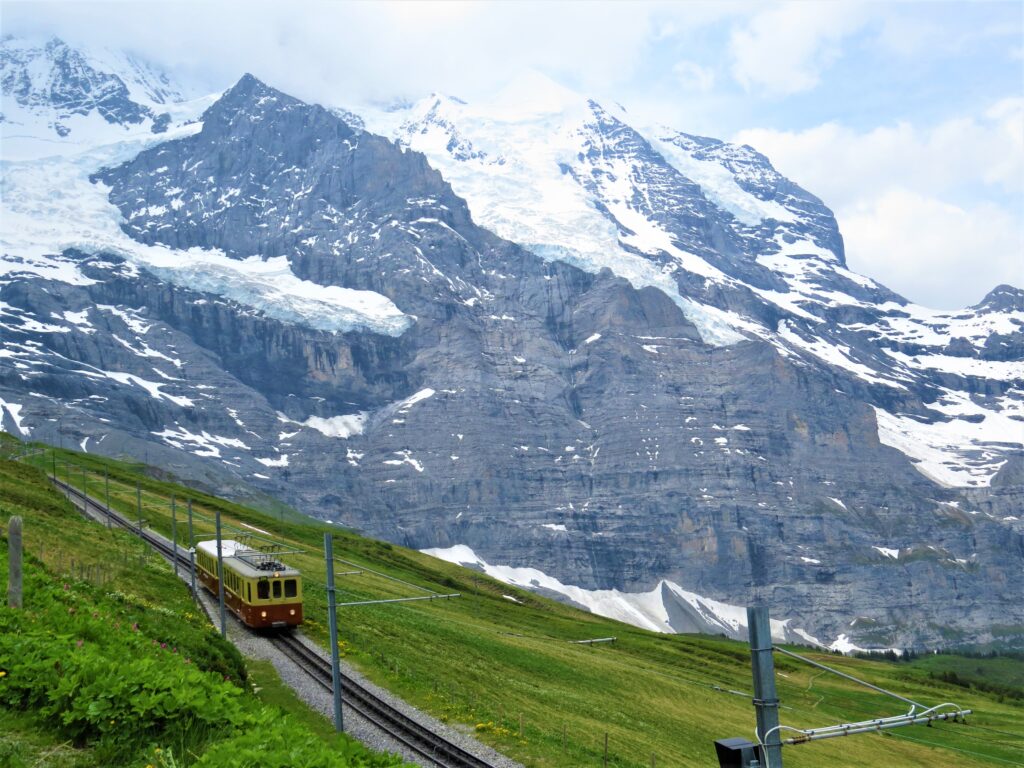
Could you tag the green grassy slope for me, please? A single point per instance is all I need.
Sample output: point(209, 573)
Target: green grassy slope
point(110, 662)
point(490, 664)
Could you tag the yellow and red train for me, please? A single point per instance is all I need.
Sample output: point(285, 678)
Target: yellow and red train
point(258, 588)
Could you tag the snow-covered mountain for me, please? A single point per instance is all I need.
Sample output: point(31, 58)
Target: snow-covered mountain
point(60, 99)
point(742, 250)
point(623, 362)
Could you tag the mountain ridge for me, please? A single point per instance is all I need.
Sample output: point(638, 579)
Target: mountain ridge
point(525, 385)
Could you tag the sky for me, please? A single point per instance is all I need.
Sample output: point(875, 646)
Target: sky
point(907, 119)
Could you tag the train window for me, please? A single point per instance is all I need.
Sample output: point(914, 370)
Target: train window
point(248, 592)
point(290, 588)
point(263, 590)
point(277, 588)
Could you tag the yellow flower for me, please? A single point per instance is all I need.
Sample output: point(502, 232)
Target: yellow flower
point(2, 673)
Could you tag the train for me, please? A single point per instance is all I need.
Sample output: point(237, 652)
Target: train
point(258, 588)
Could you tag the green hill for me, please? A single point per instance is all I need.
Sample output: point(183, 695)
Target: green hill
point(507, 670)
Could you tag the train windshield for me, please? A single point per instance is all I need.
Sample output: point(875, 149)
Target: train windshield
point(290, 588)
point(263, 590)
point(277, 588)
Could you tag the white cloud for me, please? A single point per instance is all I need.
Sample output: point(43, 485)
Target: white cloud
point(907, 199)
point(338, 52)
point(933, 252)
point(783, 49)
point(694, 77)
point(840, 164)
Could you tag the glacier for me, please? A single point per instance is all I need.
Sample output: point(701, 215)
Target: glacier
point(50, 206)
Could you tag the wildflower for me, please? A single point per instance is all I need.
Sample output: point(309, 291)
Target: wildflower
point(66, 587)
point(3, 673)
point(163, 645)
point(80, 642)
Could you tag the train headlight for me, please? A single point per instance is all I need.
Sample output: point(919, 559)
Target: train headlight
point(263, 614)
point(291, 612)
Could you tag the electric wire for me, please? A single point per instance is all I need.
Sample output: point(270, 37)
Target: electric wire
point(866, 684)
point(848, 702)
point(956, 749)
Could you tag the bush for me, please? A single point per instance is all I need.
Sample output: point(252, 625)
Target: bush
point(111, 672)
point(283, 746)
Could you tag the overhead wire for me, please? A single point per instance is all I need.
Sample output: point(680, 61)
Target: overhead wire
point(956, 749)
point(847, 701)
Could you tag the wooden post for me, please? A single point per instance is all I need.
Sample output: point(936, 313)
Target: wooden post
point(14, 542)
point(520, 725)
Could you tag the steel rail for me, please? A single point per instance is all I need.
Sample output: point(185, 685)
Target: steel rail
point(408, 731)
point(404, 729)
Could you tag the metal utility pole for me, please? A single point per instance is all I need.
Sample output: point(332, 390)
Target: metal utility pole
point(14, 538)
point(766, 702)
point(106, 492)
point(332, 618)
point(54, 456)
point(220, 581)
point(192, 550)
point(85, 487)
point(138, 502)
point(174, 532)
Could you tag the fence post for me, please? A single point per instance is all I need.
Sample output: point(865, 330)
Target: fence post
point(766, 701)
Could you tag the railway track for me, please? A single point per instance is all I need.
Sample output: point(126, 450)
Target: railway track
point(418, 738)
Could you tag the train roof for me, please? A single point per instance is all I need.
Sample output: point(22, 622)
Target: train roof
point(245, 560)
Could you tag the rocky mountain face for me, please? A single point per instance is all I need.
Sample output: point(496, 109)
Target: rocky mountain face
point(621, 364)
